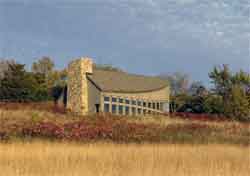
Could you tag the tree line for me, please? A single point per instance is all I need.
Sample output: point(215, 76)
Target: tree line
point(42, 83)
point(229, 94)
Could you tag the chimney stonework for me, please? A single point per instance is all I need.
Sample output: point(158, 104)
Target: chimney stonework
point(78, 85)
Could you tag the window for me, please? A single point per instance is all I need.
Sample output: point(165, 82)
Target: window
point(127, 101)
point(106, 99)
point(106, 107)
point(149, 105)
point(139, 103)
point(158, 106)
point(127, 110)
point(153, 105)
point(161, 106)
point(120, 100)
point(144, 111)
point(139, 110)
point(133, 102)
point(114, 99)
point(120, 109)
point(133, 110)
point(113, 109)
point(144, 104)
point(149, 112)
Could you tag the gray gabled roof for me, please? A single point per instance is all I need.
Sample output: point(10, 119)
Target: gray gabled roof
point(113, 81)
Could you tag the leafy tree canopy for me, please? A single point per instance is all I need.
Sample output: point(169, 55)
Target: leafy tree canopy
point(45, 65)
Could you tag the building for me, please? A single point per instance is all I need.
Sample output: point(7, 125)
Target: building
point(92, 90)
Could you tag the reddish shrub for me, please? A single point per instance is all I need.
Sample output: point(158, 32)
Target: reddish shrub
point(45, 129)
point(87, 131)
point(3, 136)
point(100, 129)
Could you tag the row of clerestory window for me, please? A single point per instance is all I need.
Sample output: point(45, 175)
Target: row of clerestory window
point(122, 106)
point(125, 110)
point(152, 105)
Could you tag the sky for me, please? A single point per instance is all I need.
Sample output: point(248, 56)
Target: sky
point(148, 37)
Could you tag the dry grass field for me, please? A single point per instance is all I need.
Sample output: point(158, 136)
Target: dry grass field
point(106, 159)
point(36, 140)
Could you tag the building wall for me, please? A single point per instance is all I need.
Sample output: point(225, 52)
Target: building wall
point(158, 96)
point(94, 97)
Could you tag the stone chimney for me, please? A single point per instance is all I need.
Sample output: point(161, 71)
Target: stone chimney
point(77, 101)
point(87, 64)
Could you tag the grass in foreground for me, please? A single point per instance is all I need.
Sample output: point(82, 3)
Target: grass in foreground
point(106, 159)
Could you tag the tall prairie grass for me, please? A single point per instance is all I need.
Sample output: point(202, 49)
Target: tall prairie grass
point(107, 159)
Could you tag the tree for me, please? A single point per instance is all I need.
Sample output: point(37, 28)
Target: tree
point(39, 86)
point(179, 82)
point(197, 89)
point(213, 104)
point(234, 90)
point(221, 78)
point(57, 77)
point(19, 85)
point(239, 104)
point(4, 64)
point(178, 102)
point(242, 79)
point(54, 79)
point(190, 103)
point(15, 85)
point(45, 66)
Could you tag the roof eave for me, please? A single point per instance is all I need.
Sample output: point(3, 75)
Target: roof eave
point(135, 92)
point(98, 87)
